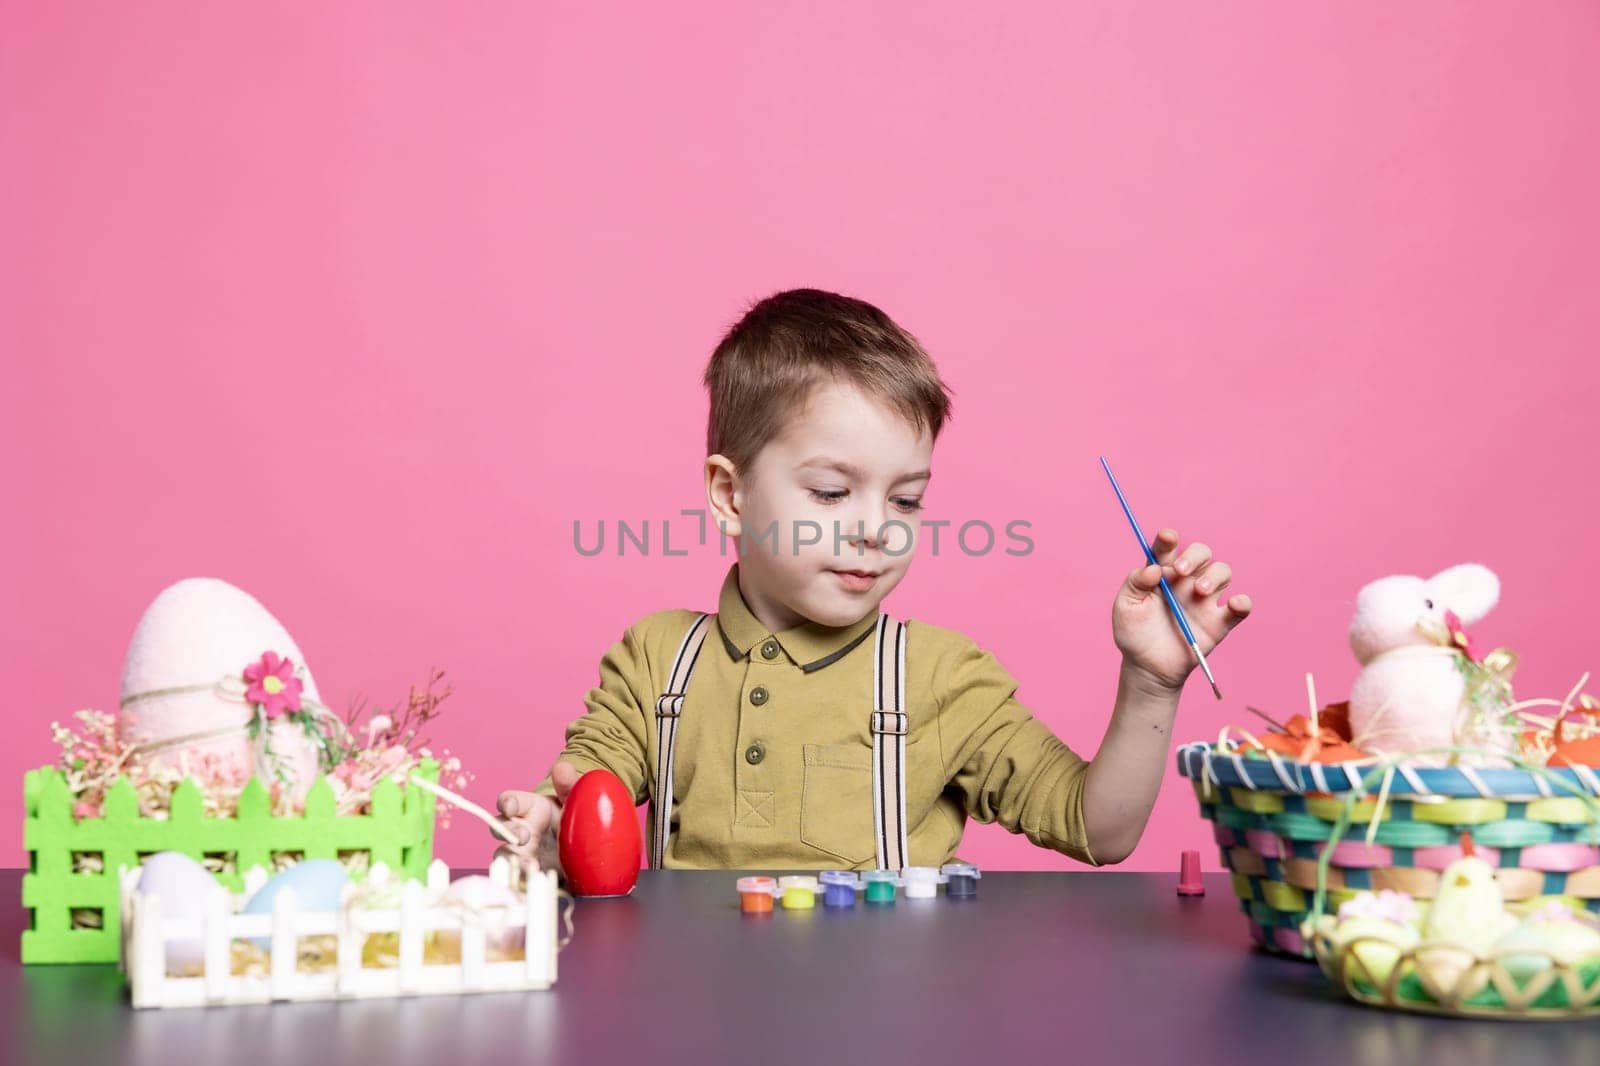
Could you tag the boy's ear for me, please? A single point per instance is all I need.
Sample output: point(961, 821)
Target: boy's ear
point(724, 497)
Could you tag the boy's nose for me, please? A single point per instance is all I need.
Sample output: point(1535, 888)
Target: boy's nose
point(866, 529)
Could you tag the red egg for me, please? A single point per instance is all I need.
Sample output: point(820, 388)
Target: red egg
point(599, 839)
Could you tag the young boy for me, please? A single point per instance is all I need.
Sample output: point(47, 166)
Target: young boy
point(824, 414)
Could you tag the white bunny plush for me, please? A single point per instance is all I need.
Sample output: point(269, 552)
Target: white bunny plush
point(1407, 634)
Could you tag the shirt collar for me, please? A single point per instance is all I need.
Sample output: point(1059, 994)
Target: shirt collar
point(812, 645)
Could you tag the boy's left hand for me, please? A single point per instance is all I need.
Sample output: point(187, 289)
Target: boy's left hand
point(1142, 623)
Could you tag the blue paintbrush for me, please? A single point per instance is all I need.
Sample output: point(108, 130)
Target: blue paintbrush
point(1166, 589)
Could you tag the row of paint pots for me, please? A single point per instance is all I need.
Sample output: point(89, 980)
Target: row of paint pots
point(838, 888)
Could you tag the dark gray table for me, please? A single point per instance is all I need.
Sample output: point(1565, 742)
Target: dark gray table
point(1060, 967)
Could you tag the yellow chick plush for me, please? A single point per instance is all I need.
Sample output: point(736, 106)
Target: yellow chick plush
point(1469, 914)
point(1468, 908)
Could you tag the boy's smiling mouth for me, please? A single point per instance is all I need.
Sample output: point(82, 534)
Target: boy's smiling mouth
point(856, 580)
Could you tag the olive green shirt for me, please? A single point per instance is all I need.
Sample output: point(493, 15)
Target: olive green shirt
point(772, 765)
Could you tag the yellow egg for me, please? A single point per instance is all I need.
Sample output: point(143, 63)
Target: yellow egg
point(1571, 942)
point(1376, 943)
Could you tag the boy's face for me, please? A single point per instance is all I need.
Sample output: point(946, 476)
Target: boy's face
point(839, 490)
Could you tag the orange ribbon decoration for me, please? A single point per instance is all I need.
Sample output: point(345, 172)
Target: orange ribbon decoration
point(1330, 742)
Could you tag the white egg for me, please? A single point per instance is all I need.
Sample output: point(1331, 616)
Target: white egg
point(1450, 971)
point(183, 886)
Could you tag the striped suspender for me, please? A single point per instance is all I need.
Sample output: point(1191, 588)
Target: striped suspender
point(888, 726)
point(668, 707)
point(889, 743)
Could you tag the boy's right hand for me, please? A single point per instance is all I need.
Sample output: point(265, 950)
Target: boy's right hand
point(535, 820)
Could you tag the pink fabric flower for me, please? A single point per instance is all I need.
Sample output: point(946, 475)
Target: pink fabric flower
point(1553, 911)
point(1387, 905)
point(1458, 635)
point(273, 685)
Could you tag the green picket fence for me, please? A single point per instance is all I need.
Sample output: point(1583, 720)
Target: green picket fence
point(397, 832)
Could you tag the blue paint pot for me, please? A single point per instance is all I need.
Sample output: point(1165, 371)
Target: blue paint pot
point(838, 888)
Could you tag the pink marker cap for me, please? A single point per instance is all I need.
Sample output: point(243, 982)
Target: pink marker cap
point(1189, 883)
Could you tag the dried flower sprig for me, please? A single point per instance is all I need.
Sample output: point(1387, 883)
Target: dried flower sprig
point(394, 745)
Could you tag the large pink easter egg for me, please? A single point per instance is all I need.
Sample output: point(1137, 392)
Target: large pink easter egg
point(182, 683)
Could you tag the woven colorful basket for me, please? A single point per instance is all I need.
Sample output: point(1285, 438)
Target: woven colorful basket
point(1272, 817)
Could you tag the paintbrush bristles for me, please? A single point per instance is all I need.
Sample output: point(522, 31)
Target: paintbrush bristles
point(1264, 716)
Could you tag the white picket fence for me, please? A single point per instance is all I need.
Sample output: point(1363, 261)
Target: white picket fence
point(147, 930)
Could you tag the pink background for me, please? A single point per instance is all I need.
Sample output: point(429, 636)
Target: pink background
point(360, 308)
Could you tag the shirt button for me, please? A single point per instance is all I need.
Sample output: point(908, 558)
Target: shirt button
point(769, 650)
point(758, 695)
point(755, 753)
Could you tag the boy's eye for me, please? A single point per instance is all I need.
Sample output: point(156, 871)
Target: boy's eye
point(908, 504)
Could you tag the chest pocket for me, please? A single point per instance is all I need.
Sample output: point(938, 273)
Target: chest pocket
point(835, 801)
point(838, 800)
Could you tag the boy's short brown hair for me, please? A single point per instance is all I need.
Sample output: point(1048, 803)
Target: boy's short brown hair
point(765, 367)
